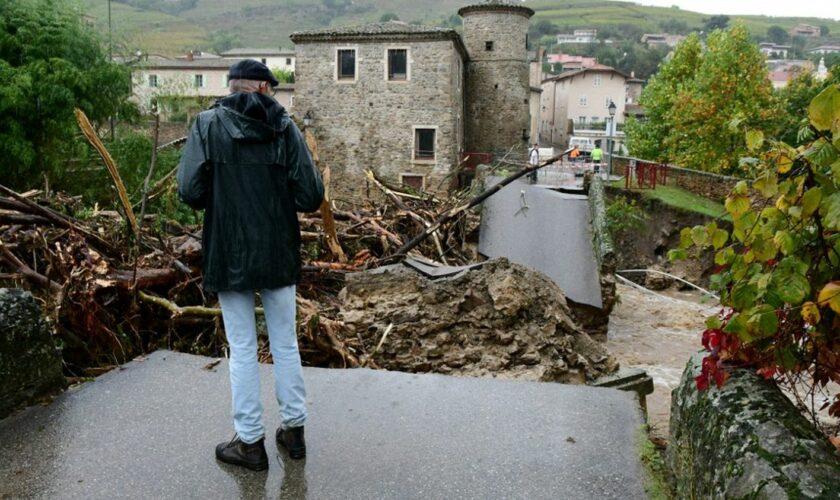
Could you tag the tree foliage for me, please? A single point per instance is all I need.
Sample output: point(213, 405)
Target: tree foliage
point(778, 270)
point(699, 101)
point(50, 63)
point(777, 34)
point(720, 22)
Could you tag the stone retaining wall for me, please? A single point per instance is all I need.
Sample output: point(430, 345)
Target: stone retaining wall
point(30, 364)
point(746, 440)
point(596, 320)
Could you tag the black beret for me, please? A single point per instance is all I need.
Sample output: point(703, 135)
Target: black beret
point(249, 69)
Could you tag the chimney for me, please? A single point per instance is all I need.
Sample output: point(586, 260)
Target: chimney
point(190, 56)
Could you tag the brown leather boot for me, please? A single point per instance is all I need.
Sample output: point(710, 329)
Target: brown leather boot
point(251, 456)
point(292, 440)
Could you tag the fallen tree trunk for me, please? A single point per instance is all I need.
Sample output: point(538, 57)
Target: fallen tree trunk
point(456, 211)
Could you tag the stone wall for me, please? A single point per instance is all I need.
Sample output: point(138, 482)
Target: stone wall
point(369, 122)
point(593, 319)
point(30, 365)
point(498, 88)
point(746, 440)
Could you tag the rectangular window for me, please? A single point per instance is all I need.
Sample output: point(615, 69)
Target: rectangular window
point(198, 82)
point(415, 181)
point(424, 144)
point(581, 120)
point(346, 64)
point(596, 81)
point(288, 61)
point(582, 100)
point(595, 119)
point(397, 64)
point(153, 81)
point(262, 60)
point(488, 46)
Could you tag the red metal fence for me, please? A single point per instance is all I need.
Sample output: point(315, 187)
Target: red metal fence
point(644, 174)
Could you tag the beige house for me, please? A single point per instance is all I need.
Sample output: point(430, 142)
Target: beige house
point(577, 103)
point(204, 77)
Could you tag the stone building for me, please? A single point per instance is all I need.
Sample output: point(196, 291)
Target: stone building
point(498, 87)
point(409, 101)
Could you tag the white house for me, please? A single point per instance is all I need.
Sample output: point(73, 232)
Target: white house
point(772, 50)
point(825, 49)
point(273, 58)
point(579, 36)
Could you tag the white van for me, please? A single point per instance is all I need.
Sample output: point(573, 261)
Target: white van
point(584, 144)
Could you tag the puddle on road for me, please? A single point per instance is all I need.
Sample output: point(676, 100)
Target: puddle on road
point(657, 335)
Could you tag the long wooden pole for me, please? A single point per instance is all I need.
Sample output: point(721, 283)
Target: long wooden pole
point(456, 211)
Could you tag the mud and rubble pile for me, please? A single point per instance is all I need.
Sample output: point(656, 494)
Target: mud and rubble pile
point(498, 319)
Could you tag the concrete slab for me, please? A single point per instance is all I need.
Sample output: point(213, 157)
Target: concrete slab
point(148, 431)
point(546, 230)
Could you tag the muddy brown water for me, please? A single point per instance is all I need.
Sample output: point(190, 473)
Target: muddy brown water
point(658, 335)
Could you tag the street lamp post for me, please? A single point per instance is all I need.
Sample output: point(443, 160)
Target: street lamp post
point(610, 137)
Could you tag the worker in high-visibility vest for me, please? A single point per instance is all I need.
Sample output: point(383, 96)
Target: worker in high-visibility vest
point(597, 155)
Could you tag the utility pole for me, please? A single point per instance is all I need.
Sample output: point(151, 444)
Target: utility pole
point(110, 60)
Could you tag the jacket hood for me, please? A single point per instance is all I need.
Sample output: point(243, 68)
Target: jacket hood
point(252, 117)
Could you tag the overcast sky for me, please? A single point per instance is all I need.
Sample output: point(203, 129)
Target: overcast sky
point(806, 8)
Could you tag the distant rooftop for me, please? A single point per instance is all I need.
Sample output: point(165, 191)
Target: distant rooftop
point(596, 67)
point(373, 30)
point(187, 64)
point(387, 31)
point(247, 51)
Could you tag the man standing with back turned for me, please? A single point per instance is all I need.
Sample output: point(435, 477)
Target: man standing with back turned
point(246, 164)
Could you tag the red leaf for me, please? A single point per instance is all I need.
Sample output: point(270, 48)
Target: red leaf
point(766, 372)
point(702, 382)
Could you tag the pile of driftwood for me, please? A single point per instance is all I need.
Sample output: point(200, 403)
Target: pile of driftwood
point(116, 283)
point(113, 289)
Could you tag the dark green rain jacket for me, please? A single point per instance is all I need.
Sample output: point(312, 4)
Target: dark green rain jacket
point(246, 164)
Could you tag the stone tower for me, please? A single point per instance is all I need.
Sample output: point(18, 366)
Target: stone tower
point(498, 91)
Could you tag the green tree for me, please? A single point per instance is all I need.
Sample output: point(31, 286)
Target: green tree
point(674, 26)
point(720, 22)
point(389, 16)
point(50, 63)
point(699, 99)
point(777, 34)
point(645, 138)
point(284, 75)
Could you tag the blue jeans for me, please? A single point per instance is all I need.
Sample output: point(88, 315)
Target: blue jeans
point(241, 330)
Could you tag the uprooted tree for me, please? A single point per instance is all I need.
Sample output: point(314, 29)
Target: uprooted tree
point(778, 271)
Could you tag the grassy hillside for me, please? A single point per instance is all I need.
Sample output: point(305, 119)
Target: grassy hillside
point(268, 23)
point(579, 14)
